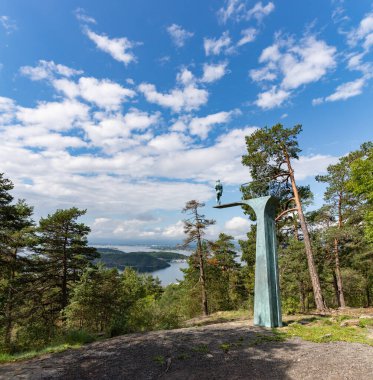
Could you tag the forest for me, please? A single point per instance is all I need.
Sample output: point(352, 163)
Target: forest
point(54, 291)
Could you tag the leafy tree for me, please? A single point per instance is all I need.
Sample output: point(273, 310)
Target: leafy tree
point(95, 300)
point(269, 155)
point(194, 228)
point(361, 183)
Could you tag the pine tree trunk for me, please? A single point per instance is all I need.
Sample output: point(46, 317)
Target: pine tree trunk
point(202, 277)
point(319, 301)
point(64, 276)
point(341, 298)
point(336, 290)
point(367, 291)
point(9, 306)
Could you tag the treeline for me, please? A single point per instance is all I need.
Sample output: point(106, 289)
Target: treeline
point(52, 291)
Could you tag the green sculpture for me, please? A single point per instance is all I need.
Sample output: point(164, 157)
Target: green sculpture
point(267, 302)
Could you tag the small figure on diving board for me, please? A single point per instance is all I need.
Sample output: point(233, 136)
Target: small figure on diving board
point(219, 191)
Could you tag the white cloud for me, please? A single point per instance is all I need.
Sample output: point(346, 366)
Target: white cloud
point(307, 62)
point(347, 90)
point(294, 64)
point(266, 73)
point(310, 166)
point(47, 70)
point(185, 77)
point(317, 101)
point(170, 142)
point(238, 11)
point(118, 48)
point(226, 13)
point(213, 72)
point(8, 24)
point(238, 227)
point(174, 231)
point(215, 46)
point(270, 53)
point(185, 97)
point(57, 116)
point(363, 33)
point(248, 35)
point(259, 11)
point(82, 16)
point(272, 98)
point(7, 107)
point(103, 93)
point(201, 126)
point(178, 34)
point(344, 91)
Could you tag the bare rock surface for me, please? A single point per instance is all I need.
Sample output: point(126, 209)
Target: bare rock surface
point(233, 350)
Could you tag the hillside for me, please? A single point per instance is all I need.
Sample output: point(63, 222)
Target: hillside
point(141, 261)
point(232, 350)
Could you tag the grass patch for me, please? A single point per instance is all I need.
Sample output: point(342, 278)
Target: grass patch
point(202, 349)
point(276, 336)
point(324, 330)
point(159, 359)
point(225, 347)
point(6, 358)
point(183, 356)
point(366, 322)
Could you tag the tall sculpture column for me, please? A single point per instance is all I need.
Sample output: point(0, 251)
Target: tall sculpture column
point(267, 302)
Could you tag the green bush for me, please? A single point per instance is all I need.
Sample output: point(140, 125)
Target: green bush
point(78, 337)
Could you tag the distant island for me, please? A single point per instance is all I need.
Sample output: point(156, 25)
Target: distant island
point(141, 261)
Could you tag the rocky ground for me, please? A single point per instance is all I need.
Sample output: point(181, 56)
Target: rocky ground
point(232, 350)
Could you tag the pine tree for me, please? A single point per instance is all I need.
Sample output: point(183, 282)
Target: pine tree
point(269, 155)
point(63, 252)
point(195, 229)
point(16, 233)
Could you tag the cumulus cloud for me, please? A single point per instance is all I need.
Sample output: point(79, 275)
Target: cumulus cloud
point(119, 48)
point(174, 231)
point(178, 34)
point(239, 10)
point(215, 46)
point(238, 227)
point(48, 70)
point(347, 90)
point(103, 93)
point(170, 142)
point(272, 98)
point(187, 96)
point(295, 64)
point(201, 126)
point(363, 33)
point(58, 116)
point(248, 35)
point(213, 72)
point(259, 11)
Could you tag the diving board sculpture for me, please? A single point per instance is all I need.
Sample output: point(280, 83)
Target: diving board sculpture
point(267, 302)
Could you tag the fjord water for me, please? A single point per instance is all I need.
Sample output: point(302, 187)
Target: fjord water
point(169, 275)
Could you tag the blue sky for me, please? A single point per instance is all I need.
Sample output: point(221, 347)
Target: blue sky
point(130, 109)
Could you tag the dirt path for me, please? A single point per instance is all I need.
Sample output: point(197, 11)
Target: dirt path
point(231, 350)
